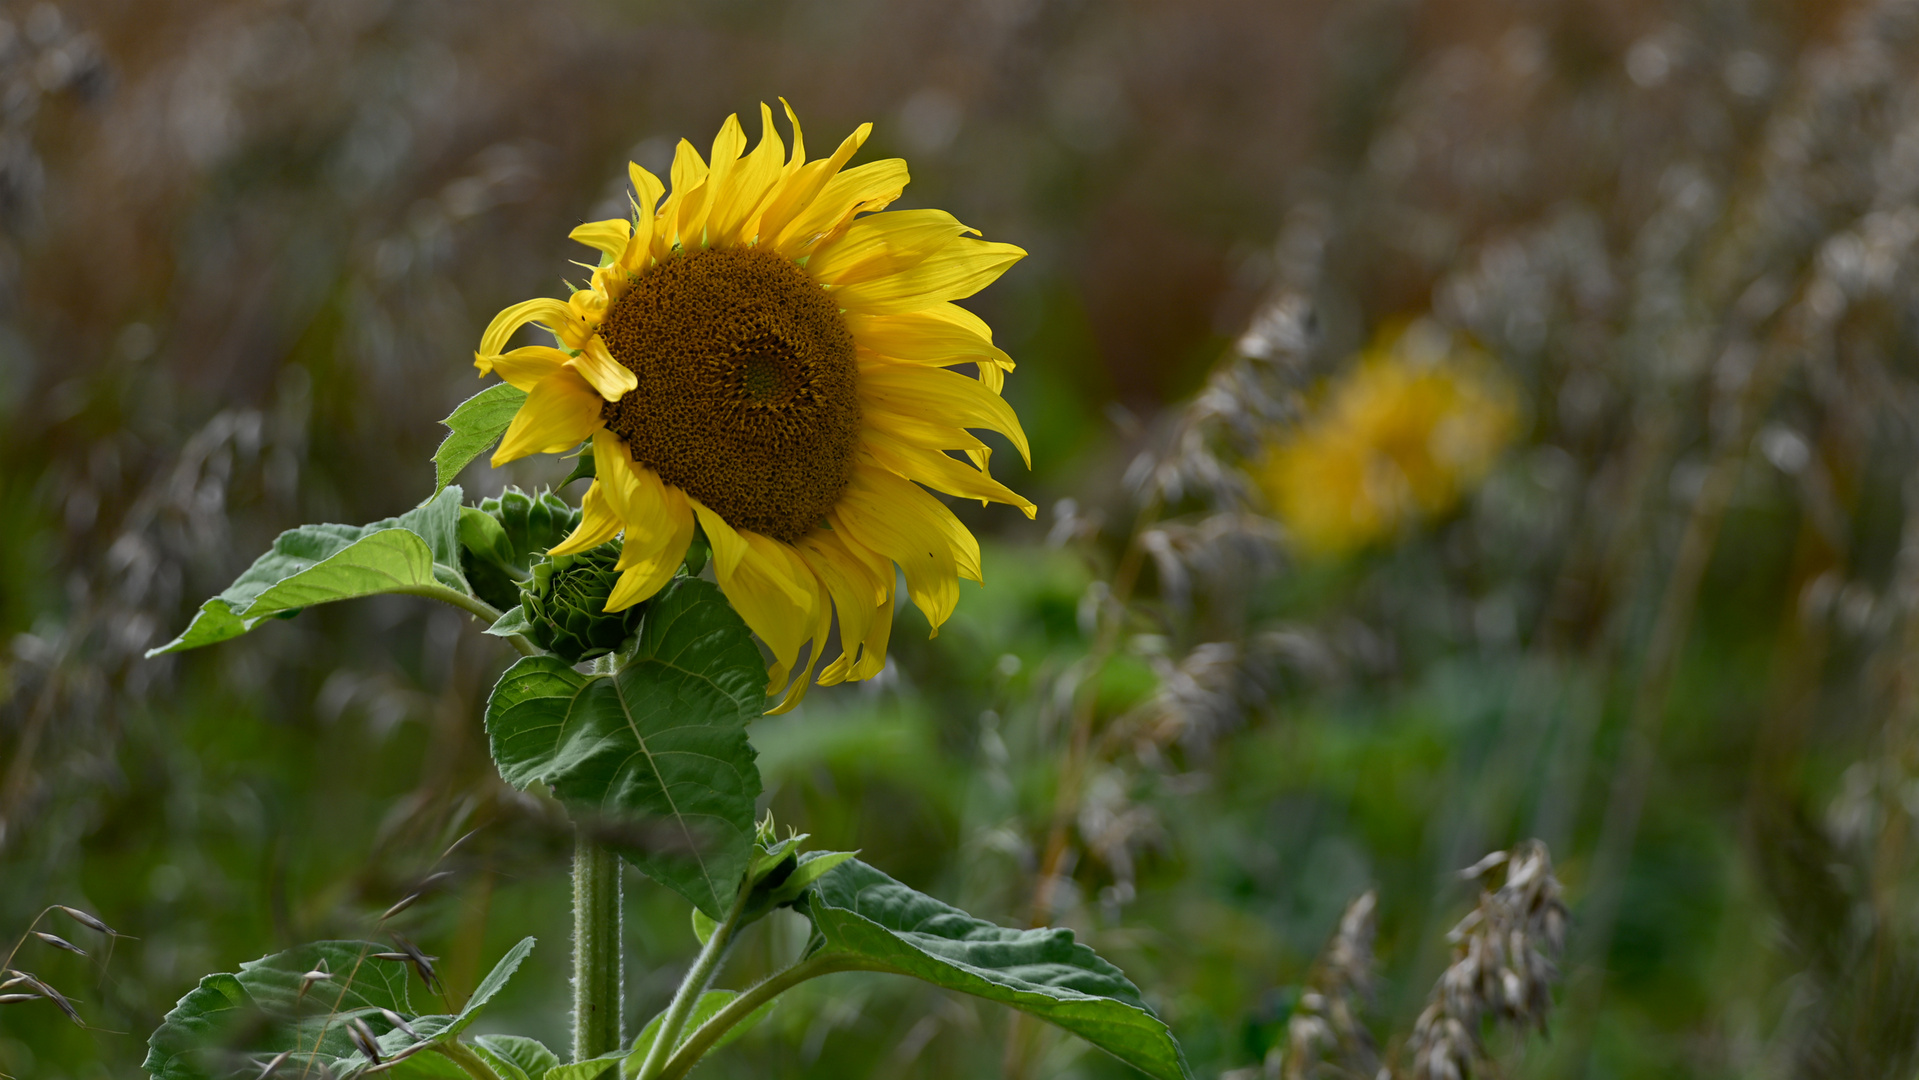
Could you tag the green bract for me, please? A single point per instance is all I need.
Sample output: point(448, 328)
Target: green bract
point(503, 536)
point(564, 604)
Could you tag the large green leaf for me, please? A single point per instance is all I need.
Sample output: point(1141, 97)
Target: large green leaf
point(861, 913)
point(661, 744)
point(231, 1025)
point(474, 427)
point(315, 564)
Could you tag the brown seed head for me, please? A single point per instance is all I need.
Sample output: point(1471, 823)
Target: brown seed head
point(746, 397)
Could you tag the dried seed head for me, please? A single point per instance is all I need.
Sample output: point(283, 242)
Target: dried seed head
point(88, 921)
point(59, 942)
point(15, 999)
point(278, 1060)
point(420, 961)
point(363, 1040)
point(399, 1021)
point(50, 994)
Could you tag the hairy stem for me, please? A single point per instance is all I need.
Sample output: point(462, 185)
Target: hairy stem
point(598, 990)
point(737, 1010)
point(691, 987)
point(472, 605)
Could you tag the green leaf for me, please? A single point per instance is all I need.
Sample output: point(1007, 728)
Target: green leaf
point(528, 1058)
point(489, 986)
point(703, 926)
point(590, 1069)
point(512, 621)
point(861, 913)
point(476, 425)
point(504, 1068)
point(662, 742)
point(710, 1002)
point(230, 1025)
point(317, 564)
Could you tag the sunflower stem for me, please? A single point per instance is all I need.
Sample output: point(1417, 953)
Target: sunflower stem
point(598, 987)
point(691, 987)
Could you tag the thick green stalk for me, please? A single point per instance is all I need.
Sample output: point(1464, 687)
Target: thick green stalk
point(691, 987)
point(598, 989)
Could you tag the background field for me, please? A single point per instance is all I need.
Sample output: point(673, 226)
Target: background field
point(246, 250)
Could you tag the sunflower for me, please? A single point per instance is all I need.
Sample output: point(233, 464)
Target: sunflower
point(1403, 434)
point(762, 354)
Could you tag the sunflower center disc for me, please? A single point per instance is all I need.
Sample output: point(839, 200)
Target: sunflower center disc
point(746, 398)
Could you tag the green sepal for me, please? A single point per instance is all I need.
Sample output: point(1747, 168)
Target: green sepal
point(861, 914)
point(318, 564)
point(582, 467)
point(474, 427)
point(660, 745)
point(483, 537)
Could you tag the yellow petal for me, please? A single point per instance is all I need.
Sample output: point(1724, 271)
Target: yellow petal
point(684, 213)
point(855, 594)
point(895, 518)
point(924, 337)
point(635, 492)
point(598, 524)
point(865, 187)
point(611, 378)
point(774, 593)
point(935, 392)
point(740, 197)
point(799, 140)
point(883, 244)
point(551, 313)
point(799, 193)
point(942, 473)
point(647, 190)
point(917, 430)
point(645, 570)
point(962, 268)
point(873, 653)
point(728, 546)
point(608, 236)
point(557, 414)
point(822, 625)
point(524, 367)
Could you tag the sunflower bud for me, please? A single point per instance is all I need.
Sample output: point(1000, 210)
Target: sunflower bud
point(502, 536)
point(565, 601)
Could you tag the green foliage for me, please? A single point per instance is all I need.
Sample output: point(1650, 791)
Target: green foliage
point(662, 742)
point(475, 426)
point(863, 915)
point(317, 564)
point(305, 1000)
point(515, 1057)
point(564, 604)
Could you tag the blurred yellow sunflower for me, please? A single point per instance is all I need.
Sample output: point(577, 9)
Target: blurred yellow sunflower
point(761, 353)
point(1415, 423)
